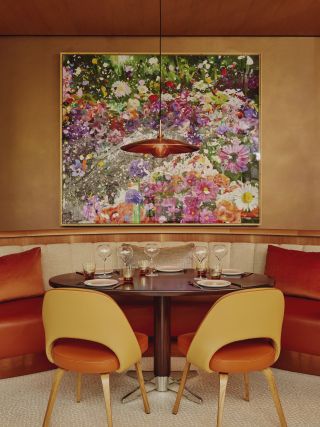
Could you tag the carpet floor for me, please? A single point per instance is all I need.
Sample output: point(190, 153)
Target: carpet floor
point(23, 402)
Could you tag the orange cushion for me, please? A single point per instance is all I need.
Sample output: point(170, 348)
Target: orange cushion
point(295, 272)
point(21, 275)
point(240, 356)
point(87, 356)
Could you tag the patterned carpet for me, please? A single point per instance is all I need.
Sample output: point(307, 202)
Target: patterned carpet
point(23, 402)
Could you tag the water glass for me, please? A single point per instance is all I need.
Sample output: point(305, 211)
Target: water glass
point(128, 273)
point(88, 268)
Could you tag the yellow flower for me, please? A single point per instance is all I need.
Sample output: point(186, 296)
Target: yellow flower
point(101, 163)
point(94, 61)
point(104, 91)
point(89, 156)
point(208, 79)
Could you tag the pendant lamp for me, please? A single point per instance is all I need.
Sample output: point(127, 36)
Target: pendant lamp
point(160, 146)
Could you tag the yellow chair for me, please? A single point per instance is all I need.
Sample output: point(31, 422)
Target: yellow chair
point(240, 333)
point(87, 332)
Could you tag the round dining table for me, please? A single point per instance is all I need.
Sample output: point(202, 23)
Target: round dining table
point(162, 288)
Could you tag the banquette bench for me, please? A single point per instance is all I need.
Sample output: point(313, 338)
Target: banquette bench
point(21, 330)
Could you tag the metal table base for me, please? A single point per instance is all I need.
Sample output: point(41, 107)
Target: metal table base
point(162, 384)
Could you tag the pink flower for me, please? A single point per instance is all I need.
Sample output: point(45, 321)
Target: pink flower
point(207, 217)
point(235, 157)
point(190, 210)
point(206, 190)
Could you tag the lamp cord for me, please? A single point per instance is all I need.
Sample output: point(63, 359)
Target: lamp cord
point(160, 63)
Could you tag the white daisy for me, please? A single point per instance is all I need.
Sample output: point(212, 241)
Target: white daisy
point(121, 89)
point(246, 197)
point(153, 60)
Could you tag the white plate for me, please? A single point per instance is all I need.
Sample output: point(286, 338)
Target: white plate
point(101, 272)
point(169, 269)
point(101, 282)
point(213, 283)
point(232, 272)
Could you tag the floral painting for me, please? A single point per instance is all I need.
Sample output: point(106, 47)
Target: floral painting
point(209, 101)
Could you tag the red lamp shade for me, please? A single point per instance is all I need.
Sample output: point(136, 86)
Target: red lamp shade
point(159, 147)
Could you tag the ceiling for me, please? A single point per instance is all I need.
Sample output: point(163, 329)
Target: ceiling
point(179, 17)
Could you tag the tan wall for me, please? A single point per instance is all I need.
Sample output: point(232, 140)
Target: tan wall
point(29, 123)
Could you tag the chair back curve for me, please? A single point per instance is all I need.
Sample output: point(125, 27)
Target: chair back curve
point(89, 315)
point(237, 316)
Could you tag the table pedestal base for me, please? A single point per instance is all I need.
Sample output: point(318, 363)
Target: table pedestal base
point(162, 384)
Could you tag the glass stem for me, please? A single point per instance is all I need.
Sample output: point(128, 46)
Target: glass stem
point(104, 267)
point(151, 264)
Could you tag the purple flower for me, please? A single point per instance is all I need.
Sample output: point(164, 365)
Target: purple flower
point(138, 168)
point(249, 113)
point(77, 168)
point(222, 129)
point(133, 196)
point(91, 208)
point(76, 131)
point(235, 157)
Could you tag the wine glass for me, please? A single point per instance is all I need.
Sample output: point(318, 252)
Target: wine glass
point(125, 253)
point(220, 252)
point(104, 251)
point(200, 254)
point(152, 250)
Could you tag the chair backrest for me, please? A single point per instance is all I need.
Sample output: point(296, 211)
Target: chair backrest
point(240, 315)
point(89, 315)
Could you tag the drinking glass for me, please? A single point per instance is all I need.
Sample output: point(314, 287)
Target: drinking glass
point(104, 251)
point(152, 250)
point(125, 253)
point(220, 252)
point(200, 254)
point(89, 269)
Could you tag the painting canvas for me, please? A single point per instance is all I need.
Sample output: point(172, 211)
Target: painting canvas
point(210, 101)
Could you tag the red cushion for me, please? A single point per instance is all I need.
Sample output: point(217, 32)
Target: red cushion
point(21, 327)
point(21, 275)
point(301, 325)
point(295, 272)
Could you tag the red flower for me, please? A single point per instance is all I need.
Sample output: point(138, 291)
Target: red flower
point(223, 71)
point(153, 98)
point(116, 124)
point(169, 84)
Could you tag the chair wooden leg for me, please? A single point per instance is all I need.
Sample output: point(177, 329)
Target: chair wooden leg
point(246, 386)
point(106, 391)
point(54, 389)
point(79, 376)
point(223, 379)
point(181, 388)
point(273, 388)
point(142, 388)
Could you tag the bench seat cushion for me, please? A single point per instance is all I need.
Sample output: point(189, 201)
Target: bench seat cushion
point(21, 328)
point(301, 325)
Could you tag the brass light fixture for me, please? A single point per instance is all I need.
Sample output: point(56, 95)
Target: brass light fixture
point(160, 146)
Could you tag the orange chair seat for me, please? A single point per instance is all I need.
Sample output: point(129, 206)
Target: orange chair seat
point(240, 356)
point(87, 356)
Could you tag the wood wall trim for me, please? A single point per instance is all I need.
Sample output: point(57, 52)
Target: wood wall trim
point(119, 234)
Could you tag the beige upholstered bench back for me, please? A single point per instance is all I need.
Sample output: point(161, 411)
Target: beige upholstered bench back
point(68, 257)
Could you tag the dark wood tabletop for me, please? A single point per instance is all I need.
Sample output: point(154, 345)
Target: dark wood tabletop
point(165, 284)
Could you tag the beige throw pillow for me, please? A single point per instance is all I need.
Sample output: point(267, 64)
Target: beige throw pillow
point(177, 256)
